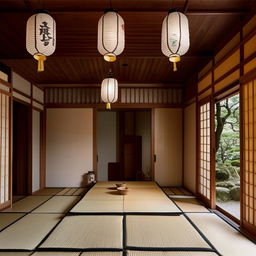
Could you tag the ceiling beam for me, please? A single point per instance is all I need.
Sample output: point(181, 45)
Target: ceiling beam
point(133, 85)
point(96, 12)
point(122, 57)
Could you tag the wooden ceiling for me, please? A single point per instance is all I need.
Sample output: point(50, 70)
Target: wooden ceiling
point(77, 61)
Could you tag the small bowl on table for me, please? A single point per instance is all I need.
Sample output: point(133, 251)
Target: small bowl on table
point(123, 190)
point(121, 185)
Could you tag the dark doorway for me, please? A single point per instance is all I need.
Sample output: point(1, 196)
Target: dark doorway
point(21, 150)
point(124, 149)
point(132, 157)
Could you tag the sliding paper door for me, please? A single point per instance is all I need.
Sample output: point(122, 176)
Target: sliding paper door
point(204, 176)
point(4, 148)
point(248, 97)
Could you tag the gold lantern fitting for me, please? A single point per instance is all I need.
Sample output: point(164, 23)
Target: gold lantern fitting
point(110, 57)
point(174, 59)
point(108, 106)
point(40, 58)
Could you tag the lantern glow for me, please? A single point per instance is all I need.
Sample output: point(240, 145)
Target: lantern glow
point(41, 37)
point(175, 36)
point(111, 35)
point(109, 91)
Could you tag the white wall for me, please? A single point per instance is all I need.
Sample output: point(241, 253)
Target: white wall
point(36, 151)
point(69, 146)
point(143, 128)
point(190, 147)
point(106, 142)
point(168, 146)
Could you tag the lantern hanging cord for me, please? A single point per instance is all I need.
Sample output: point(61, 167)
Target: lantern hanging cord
point(185, 8)
point(110, 4)
point(171, 4)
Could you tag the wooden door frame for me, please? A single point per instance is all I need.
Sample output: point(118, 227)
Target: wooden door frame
point(29, 157)
point(209, 202)
point(226, 96)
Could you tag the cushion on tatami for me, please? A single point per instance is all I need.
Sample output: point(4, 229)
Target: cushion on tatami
point(162, 205)
point(174, 253)
point(56, 254)
point(162, 232)
point(102, 254)
point(27, 204)
point(85, 206)
point(87, 232)
point(58, 204)
point(28, 232)
point(190, 205)
point(226, 239)
point(48, 191)
point(8, 218)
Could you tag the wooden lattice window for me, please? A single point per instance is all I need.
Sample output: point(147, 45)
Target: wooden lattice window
point(249, 154)
point(204, 150)
point(4, 148)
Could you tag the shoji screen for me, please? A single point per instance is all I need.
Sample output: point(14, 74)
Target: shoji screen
point(204, 151)
point(4, 148)
point(249, 155)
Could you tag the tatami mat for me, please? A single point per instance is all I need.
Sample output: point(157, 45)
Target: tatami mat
point(48, 191)
point(176, 191)
point(144, 184)
point(103, 194)
point(28, 232)
point(161, 205)
point(174, 253)
point(58, 204)
point(190, 205)
point(105, 184)
point(80, 192)
point(71, 191)
point(8, 218)
point(85, 206)
point(162, 232)
point(145, 193)
point(63, 191)
point(102, 254)
point(56, 254)
point(27, 204)
point(226, 239)
point(87, 232)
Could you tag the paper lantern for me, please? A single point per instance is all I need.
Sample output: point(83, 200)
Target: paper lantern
point(110, 35)
point(41, 37)
point(175, 36)
point(109, 91)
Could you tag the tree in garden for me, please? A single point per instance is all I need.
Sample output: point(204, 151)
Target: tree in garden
point(227, 115)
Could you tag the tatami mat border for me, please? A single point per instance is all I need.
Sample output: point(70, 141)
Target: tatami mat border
point(125, 247)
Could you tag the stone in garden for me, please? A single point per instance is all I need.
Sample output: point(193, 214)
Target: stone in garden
point(222, 174)
point(223, 194)
point(233, 171)
point(235, 193)
point(225, 184)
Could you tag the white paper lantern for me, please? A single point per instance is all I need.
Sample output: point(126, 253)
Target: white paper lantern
point(110, 35)
point(41, 37)
point(109, 91)
point(175, 36)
